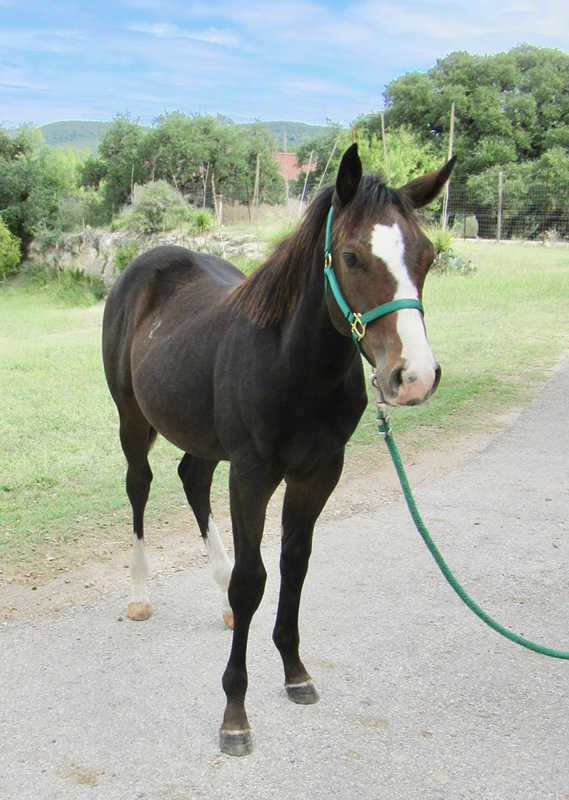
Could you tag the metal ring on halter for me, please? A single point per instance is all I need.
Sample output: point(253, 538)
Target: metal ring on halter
point(358, 327)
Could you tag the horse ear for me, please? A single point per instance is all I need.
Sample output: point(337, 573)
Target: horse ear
point(349, 175)
point(422, 191)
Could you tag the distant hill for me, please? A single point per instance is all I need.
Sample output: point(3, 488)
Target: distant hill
point(77, 134)
point(82, 135)
point(296, 133)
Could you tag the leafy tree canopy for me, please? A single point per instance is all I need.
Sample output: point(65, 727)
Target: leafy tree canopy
point(509, 107)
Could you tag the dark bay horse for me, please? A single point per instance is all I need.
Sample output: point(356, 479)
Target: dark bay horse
point(262, 372)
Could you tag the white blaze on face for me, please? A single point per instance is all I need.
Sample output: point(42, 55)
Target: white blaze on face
point(388, 245)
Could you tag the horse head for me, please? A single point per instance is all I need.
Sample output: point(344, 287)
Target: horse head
point(380, 255)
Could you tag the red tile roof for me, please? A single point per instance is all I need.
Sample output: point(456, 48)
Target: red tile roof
point(288, 166)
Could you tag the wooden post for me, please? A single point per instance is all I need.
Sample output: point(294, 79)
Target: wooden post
point(287, 188)
point(387, 176)
point(329, 160)
point(545, 206)
point(305, 182)
point(257, 181)
point(500, 201)
point(214, 197)
point(450, 148)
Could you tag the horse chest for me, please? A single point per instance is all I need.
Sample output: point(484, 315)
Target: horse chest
point(301, 432)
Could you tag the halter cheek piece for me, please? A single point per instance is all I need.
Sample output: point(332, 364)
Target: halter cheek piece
point(358, 322)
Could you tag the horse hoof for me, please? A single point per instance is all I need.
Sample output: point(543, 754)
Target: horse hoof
point(228, 619)
point(302, 693)
point(139, 611)
point(235, 743)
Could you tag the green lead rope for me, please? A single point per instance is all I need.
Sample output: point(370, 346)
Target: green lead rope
point(385, 430)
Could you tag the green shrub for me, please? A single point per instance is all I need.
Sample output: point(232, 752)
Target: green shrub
point(10, 251)
point(125, 255)
point(449, 261)
point(202, 220)
point(156, 207)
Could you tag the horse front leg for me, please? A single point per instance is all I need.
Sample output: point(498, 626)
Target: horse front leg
point(304, 500)
point(250, 491)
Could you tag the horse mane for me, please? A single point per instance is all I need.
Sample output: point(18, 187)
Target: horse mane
point(275, 288)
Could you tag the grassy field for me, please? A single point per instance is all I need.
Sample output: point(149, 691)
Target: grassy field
point(496, 332)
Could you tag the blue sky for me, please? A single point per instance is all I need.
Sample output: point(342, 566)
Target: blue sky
point(305, 60)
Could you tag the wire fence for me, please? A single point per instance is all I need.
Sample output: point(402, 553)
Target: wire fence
point(509, 211)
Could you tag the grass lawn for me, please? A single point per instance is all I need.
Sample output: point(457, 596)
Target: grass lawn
point(496, 333)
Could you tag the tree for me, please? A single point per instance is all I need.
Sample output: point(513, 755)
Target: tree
point(250, 147)
point(10, 251)
point(508, 107)
point(34, 180)
point(407, 156)
point(119, 164)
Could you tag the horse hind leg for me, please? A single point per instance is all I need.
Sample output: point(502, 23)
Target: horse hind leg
point(196, 475)
point(137, 437)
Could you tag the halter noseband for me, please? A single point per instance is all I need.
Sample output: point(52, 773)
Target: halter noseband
point(358, 322)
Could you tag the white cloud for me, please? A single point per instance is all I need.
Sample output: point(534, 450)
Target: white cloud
point(163, 30)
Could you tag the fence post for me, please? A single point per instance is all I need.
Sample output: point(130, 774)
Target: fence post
point(305, 182)
point(450, 149)
point(500, 201)
point(545, 203)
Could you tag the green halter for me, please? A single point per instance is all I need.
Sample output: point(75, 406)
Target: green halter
point(358, 322)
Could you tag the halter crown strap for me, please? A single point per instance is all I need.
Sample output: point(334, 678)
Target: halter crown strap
point(358, 322)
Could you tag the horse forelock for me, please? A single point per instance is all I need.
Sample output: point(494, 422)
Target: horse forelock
point(275, 288)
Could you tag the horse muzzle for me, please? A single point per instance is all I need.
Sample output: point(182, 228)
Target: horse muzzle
point(405, 385)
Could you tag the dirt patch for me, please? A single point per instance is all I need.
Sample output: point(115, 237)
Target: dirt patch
point(369, 481)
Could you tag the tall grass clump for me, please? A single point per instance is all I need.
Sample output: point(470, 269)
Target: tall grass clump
point(70, 287)
point(441, 239)
point(202, 220)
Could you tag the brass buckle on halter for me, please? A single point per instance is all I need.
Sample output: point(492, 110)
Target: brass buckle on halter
point(358, 327)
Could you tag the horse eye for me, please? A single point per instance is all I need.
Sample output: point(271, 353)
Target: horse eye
point(350, 260)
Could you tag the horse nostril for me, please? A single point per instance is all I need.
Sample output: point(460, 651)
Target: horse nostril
point(396, 379)
point(438, 372)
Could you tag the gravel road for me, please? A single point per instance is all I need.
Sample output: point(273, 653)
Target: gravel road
point(419, 698)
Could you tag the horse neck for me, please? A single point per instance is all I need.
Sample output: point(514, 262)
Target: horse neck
point(312, 340)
